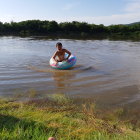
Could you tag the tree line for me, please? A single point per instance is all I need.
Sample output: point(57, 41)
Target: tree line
point(37, 27)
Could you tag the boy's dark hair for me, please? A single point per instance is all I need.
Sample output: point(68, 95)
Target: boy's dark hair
point(58, 44)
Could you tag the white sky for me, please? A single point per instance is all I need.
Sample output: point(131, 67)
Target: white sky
point(92, 11)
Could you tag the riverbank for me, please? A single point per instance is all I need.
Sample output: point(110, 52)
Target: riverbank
point(71, 30)
point(60, 117)
point(135, 36)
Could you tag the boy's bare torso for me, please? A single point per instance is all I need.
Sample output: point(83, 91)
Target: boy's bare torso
point(61, 55)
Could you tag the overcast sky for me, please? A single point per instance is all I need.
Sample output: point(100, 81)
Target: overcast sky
point(92, 11)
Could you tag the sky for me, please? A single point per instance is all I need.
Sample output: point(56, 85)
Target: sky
point(105, 12)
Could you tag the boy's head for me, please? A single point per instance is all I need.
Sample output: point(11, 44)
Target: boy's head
point(59, 46)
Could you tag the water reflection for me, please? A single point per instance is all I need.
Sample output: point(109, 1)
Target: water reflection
point(62, 80)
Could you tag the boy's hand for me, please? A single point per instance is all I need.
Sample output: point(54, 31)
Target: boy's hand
point(66, 59)
point(56, 62)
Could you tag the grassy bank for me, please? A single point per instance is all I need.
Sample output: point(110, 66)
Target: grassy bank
point(60, 117)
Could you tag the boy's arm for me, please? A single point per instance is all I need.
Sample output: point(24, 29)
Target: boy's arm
point(54, 56)
point(69, 53)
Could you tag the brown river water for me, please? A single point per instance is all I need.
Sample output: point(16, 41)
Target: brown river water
point(107, 72)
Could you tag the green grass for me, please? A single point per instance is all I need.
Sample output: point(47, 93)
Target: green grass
point(60, 117)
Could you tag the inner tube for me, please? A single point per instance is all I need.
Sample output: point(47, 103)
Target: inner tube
point(64, 64)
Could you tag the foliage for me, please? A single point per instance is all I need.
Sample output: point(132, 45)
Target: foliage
point(37, 27)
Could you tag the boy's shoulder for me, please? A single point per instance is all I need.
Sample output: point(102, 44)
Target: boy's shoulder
point(64, 49)
point(56, 52)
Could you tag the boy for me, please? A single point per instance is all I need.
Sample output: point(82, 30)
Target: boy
point(59, 55)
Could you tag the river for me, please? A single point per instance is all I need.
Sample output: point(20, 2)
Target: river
point(106, 71)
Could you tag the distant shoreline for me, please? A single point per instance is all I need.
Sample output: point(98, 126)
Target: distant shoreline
point(113, 37)
point(70, 30)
